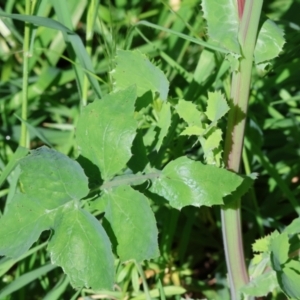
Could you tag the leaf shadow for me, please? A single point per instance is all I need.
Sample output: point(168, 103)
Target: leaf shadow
point(139, 159)
point(109, 231)
point(91, 171)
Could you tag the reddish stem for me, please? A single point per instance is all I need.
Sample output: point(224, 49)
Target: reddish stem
point(241, 4)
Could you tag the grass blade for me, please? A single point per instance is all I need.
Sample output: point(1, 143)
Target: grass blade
point(73, 38)
point(25, 279)
point(20, 153)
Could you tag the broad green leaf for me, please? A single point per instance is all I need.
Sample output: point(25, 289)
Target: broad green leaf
point(134, 67)
point(105, 131)
point(222, 23)
point(189, 113)
point(48, 180)
point(22, 225)
point(133, 224)
point(294, 227)
point(242, 189)
point(81, 247)
point(51, 178)
point(269, 43)
point(186, 182)
point(279, 247)
point(289, 281)
point(293, 264)
point(261, 285)
point(217, 106)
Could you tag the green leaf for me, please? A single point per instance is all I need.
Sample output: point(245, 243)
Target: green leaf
point(279, 247)
point(242, 189)
point(263, 244)
point(48, 180)
point(210, 144)
point(163, 123)
point(213, 140)
point(133, 224)
point(20, 153)
point(22, 225)
point(105, 131)
point(222, 23)
point(81, 247)
point(259, 264)
point(233, 61)
point(289, 281)
point(257, 259)
point(217, 106)
point(261, 285)
point(51, 178)
point(294, 227)
point(193, 130)
point(189, 113)
point(269, 43)
point(134, 67)
point(205, 66)
point(186, 182)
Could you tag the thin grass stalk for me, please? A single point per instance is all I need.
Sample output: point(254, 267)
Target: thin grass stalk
point(90, 21)
point(231, 214)
point(144, 280)
point(24, 138)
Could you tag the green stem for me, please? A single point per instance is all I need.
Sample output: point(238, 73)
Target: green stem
point(231, 220)
point(181, 35)
point(91, 14)
point(145, 285)
point(24, 139)
point(129, 179)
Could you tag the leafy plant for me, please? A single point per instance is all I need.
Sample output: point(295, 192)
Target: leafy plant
point(79, 244)
point(276, 264)
point(138, 147)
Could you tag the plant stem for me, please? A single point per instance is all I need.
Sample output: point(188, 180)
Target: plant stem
point(90, 20)
point(145, 285)
point(24, 138)
point(231, 220)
